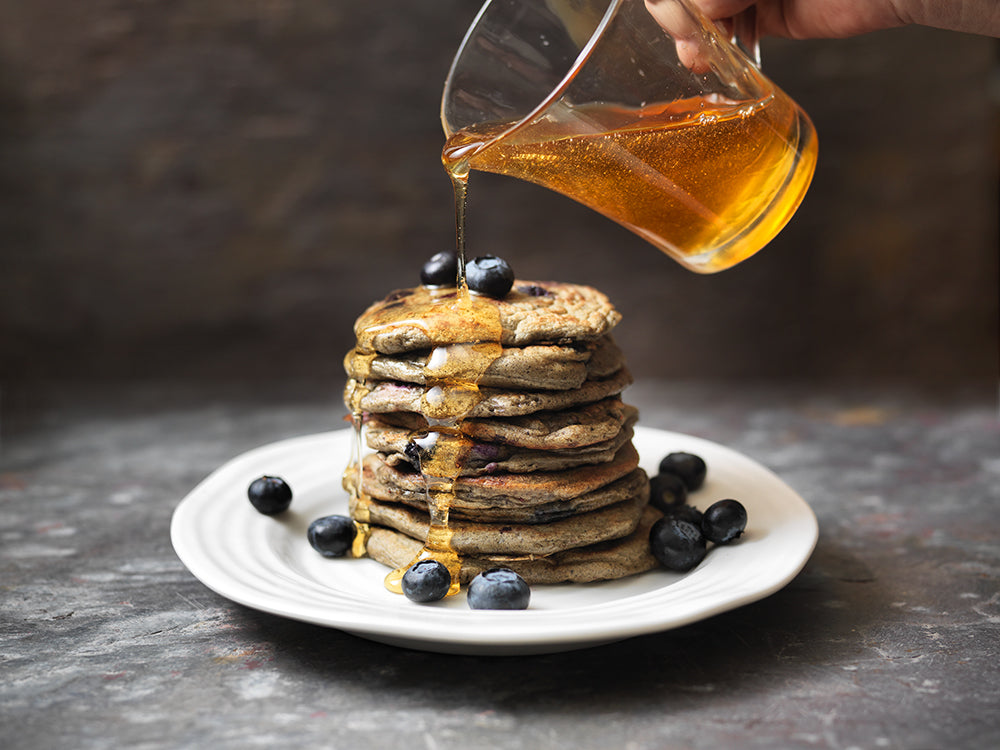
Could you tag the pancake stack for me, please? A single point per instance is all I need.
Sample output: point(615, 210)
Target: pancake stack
point(547, 482)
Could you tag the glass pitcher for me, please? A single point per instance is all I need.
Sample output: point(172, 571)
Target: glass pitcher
point(662, 124)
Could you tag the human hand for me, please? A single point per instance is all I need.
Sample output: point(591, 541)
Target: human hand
point(808, 19)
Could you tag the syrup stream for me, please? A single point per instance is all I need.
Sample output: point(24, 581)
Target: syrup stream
point(459, 174)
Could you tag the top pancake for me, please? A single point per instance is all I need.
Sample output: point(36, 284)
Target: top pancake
point(532, 312)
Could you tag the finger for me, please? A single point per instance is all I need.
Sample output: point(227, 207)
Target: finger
point(674, 18)
point(686, 30)
point(692, 56)
point(716, 9)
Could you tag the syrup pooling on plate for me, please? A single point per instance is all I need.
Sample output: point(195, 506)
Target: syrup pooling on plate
point(466, 330)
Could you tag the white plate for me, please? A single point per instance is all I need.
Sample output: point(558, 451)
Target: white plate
point(267, 563)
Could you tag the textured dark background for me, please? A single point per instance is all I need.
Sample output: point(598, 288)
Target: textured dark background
point(215, 188)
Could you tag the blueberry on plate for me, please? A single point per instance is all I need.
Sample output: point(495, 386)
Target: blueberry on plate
point(498, 588)
point(667, 491)
point(677, 543)
point(426, 581)
point(724, 521)
point(440, 270)
point(270, 495)
point(687, 466)
point(332, 536)
point(686, 512)
point(489, 275)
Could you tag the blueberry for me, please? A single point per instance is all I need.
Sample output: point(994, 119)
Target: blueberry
point(426, 581)
point(332, 536)
point(677, 543)
point(441, 270)
point(687, 466)
point(412, 453)
point(667, 491)
point(533, 290)
point(489, 275)
point(270, 495)
point(686, 512)
point(724, 521)
point(394, 298)
point(498, 588)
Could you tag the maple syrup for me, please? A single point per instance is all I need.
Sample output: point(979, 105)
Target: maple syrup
point(707, 180)
point(466, 330)
point(353, 475)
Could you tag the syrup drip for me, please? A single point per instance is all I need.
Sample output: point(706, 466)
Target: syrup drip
point(467, 331)
point(359, 501)
point(451, 376)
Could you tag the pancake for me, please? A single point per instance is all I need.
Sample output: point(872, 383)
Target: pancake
point(538, 367)
point(391, 396)
point(512, 508)
point(398, 450)
point(532, 312)
point(478, 537)
point(543, 430)
point(597, 562)
point(513, 490)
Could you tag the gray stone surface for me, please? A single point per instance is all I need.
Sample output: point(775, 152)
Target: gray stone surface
point(889, 638)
